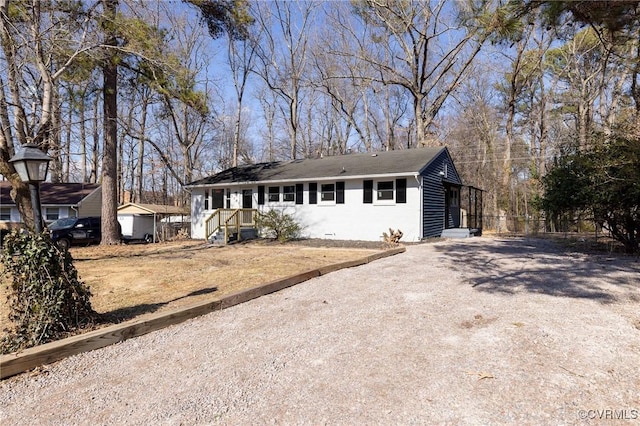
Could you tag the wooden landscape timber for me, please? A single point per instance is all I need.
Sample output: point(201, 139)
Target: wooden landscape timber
point(19, 362)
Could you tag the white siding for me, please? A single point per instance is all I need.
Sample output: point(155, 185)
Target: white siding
point(198, 213)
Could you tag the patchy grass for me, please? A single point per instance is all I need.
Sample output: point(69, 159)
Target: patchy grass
point(131, 280)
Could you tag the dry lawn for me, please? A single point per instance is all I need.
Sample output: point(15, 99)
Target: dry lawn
point(131, 280)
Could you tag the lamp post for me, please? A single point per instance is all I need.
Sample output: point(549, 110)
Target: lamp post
point(32, 165)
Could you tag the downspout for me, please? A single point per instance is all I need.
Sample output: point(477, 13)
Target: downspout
point(421, 217)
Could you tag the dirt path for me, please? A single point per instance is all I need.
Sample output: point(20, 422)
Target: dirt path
point(481, 331)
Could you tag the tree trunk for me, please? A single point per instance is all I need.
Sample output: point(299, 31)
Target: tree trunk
point(110, 232)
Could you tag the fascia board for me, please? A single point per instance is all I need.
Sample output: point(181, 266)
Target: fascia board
point(308, 179)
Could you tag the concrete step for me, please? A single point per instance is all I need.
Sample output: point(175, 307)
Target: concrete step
point(456, 233)
point(245, 233)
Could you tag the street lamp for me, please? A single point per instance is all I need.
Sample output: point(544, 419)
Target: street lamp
point(32, 165)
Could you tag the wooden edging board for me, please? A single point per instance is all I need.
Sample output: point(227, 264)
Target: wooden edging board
point(19, 362)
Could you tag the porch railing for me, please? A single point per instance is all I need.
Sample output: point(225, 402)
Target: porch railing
point(230, 220)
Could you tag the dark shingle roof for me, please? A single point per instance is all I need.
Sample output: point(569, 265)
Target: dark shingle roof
point(65, 194)
point(403, 162)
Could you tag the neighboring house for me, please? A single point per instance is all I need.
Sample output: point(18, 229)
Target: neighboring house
point(349, 197)
point(58, 200)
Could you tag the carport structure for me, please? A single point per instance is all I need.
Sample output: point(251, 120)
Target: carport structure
point(140, 221)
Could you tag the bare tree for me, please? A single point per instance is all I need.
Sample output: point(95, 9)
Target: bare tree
point(282, 43)
point(27, 95)
point(241, 56)
point(426, 49)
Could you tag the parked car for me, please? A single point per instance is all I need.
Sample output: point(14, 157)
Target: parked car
point(70, 231)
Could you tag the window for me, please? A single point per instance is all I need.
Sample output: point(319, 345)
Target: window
point(401, 190)
point(274, 194)
point(327, 192)
point(206, 199)
point(299, 193)
point(288, 193)
point(339, 192)
point(385, 190)
point(313, 193)
point(217, 198)
point(51, 214)
point(454, 197)
point(5, 214)
point(367, 192)
point(261, 194)
point(228, 199)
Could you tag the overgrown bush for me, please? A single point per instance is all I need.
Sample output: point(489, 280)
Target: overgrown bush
point(278, 225)
point(46, 298)
point(601, 182)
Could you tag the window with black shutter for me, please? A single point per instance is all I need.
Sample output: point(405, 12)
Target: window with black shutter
point(401, 190)
point(385, 191)
point(299, 193)
point(339, 192)
point(206, 199)
point(328, 192)
point(274, 194)
point(313, 193)
point(288, 193)
point(367, 192)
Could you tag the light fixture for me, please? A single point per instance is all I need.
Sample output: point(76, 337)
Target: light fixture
point(31, 163)
point(32, 166)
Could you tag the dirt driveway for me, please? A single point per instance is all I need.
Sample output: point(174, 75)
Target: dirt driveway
point(480, 331)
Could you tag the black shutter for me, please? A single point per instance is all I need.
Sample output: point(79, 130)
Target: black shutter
point(339, 192)
point(401, 190)
point(313, 193)
point(299, 193)
point(261, 194)
point(367, 192)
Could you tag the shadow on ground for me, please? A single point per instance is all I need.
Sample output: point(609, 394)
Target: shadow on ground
point(514, 265)
point(130, 312)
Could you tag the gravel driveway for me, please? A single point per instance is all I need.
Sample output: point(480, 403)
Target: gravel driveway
point(478, 331)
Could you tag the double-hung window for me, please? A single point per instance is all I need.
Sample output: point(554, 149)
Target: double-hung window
point(274, 194)
point(385, 191)
point(327, 192)
point(5, 214)
point(289, 193)
point(52, 213)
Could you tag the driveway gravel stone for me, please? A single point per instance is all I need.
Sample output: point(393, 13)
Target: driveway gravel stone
point(476, 331)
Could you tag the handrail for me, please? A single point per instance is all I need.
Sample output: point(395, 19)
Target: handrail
point(229, 219)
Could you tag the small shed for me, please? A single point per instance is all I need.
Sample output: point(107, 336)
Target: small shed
point(143, 221)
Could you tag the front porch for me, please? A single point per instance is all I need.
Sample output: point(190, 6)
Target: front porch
point(225, 225)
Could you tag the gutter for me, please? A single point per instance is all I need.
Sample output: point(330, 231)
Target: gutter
point(298, 180)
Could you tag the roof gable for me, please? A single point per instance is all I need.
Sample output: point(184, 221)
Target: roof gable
point(63, 194)
point(402, 162)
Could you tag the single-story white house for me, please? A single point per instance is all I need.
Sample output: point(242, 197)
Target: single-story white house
point(347, 197)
